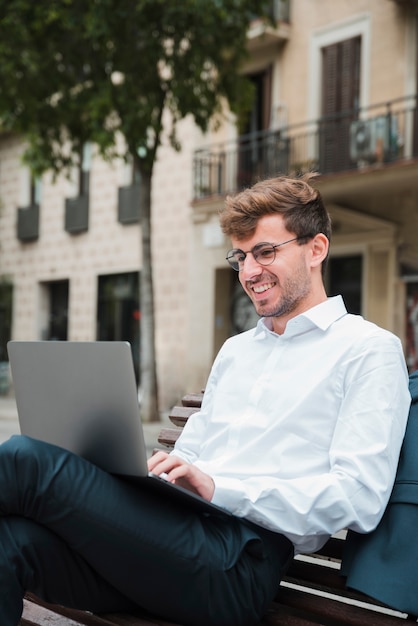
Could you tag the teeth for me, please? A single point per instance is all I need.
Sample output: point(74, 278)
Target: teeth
point(261, 288)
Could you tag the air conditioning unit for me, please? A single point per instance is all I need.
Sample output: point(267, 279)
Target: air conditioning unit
point(371, 139)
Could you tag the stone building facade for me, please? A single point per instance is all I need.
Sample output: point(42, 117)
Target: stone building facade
point(335, 92)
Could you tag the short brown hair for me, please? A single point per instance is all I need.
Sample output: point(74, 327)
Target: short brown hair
point(299, 204)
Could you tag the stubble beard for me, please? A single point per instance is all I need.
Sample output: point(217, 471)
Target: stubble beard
point(293, 292)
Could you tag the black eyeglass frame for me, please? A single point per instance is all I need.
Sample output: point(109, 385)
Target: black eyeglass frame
point(237, 265)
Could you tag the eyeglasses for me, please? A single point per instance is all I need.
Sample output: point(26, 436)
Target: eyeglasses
point(264, 253)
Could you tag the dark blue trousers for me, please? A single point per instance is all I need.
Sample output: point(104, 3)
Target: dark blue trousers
point(75, 535)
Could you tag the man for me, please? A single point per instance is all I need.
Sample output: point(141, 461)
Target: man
point(298, 436)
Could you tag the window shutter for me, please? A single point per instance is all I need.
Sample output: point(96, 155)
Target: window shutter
point(340, 98)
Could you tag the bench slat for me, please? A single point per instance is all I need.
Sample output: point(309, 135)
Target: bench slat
point(333, 549)
point(35, 614)
point(169, 436)
point(180, 414)
point(331, 611)
point(121, 619)
point(278, 615)
point(38, 613)
point(192, 399)
point(316, 576)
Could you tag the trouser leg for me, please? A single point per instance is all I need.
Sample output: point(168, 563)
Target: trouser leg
point(34, 559)
point(169, 560)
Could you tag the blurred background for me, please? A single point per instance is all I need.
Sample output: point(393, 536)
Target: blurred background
point(332, 88)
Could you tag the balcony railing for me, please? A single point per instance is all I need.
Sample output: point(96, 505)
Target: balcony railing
point(407, 3)
point(278, 31)
point(350, 140)
point(281, 10)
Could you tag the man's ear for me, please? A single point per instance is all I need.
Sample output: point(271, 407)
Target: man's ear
point(319, 248)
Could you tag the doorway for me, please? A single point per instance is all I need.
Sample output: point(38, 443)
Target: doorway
point(54, 310)
point(118, 312)
point(344, 276)
point(340, 102)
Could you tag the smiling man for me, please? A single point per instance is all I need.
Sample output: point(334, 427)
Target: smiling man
point(303, 416)
point(280, 255)
point(298, 437)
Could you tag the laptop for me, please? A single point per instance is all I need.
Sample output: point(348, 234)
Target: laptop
point(83, 397)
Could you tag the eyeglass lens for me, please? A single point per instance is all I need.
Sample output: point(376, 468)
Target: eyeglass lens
point(263, 253)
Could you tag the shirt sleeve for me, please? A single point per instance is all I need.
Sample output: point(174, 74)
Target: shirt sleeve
point(362, 459)
point(358, 464)
point(188, 446)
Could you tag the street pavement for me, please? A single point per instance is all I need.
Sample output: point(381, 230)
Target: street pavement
point(9, 424)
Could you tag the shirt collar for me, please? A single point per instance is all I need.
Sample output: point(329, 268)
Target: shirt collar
point(320, 316)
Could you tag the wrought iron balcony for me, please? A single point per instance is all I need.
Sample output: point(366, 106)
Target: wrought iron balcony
point(407, 3)
point(351, 140)
point(281, 10)
point(261, 35)
point(28, 223)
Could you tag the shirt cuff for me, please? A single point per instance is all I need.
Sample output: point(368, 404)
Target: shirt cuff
point(229, 494)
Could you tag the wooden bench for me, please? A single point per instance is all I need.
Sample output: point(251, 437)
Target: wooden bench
point(312, 592)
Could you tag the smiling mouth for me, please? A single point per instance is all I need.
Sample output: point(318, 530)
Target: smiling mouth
point(262, 288)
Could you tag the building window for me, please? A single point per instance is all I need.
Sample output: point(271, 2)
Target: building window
point(243, 315)
point(28, 211)
point(253, 159)
point(54, 310)
point(6, 300)
point(344, 276)
point(77, 207)
point(340, 94)
point(412, 324)
point(118, 312)
point(333, 48)
point(129, 195)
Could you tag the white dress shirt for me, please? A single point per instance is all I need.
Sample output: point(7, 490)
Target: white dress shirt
point(301, 432)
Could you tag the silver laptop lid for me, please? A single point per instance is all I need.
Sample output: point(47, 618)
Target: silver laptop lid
point(83, 397)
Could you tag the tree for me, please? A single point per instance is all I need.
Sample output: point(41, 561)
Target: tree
point(73, 71)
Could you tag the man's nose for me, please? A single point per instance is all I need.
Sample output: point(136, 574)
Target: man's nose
point(250, 267)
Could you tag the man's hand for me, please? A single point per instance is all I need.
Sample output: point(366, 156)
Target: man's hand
point(181, 473)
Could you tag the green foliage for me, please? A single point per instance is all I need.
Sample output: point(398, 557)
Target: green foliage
point(78, 70)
